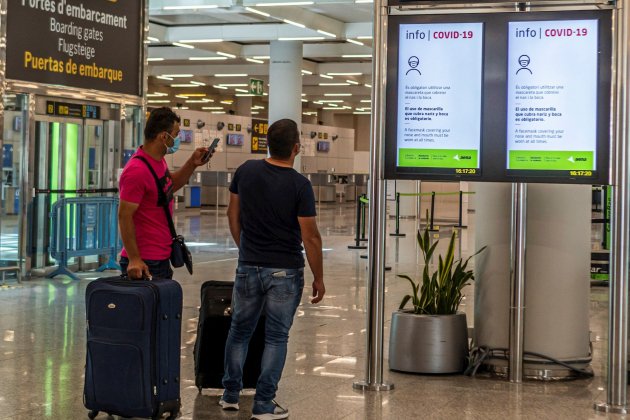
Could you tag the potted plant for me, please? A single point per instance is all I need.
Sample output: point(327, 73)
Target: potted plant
point(432, 336)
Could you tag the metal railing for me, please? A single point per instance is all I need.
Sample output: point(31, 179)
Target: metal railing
point(84, 226)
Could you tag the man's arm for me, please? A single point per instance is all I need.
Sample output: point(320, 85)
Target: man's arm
point(234, 218)
point(181, 176)
point(137, 268)
point(313, 247)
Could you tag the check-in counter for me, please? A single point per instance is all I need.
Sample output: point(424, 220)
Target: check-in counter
point(215, 188)
point(323, 187)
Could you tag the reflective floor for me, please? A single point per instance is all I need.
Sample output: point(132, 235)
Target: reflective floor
point(42, 341)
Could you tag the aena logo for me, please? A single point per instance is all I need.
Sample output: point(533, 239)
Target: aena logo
point(466, 157)
point(582, 159)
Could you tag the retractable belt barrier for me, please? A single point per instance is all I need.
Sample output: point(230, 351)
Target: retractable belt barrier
point(83, 226)
point(362, 203)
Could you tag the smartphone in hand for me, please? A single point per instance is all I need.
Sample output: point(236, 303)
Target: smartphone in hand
point(206, 156)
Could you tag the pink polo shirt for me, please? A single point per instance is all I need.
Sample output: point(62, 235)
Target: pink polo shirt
point(138, 186)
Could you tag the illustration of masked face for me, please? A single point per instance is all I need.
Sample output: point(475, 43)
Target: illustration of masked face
point(524, 60)
point(413, 62)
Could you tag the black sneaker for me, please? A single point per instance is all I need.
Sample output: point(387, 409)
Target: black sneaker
point(269, 411)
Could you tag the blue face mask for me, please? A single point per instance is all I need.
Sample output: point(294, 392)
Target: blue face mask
point(175, 147)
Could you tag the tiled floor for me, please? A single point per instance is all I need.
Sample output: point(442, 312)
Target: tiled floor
point(42, 340)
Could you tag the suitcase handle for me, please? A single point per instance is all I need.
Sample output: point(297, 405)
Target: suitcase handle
point(126, 277)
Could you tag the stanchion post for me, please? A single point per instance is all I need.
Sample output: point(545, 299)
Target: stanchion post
point(397, 233)
point(461, 211)
point(617, 383)
point(357, 240)
point(376, 245)
point(431, 228)
point(363, 218)
point(517, 281)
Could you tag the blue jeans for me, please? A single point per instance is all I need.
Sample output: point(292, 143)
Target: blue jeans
point(276, 292)
point(160, 269)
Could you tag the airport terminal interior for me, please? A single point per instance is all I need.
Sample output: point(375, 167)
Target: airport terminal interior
point(492, 100)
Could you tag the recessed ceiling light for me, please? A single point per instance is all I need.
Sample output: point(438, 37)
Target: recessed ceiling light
point(155, 59)
point(197, 83)
point(306, 72)
point(363, 1)
point(334, 84)
point(365, 37)
point(179, 44)
point(304, 100)
point(149, 95)
point(241, 90)
point(219, 87)
point(198, 101)
point(201, 41)
point(234, 84)
point(244, 94)
point(290, 22)
point(262, 57)
point(330, 101)
point(211, 6)
point(352, 82)
point(361, 113)
point(206, 58)
point(182, 96)
point(337, 94)
point(211, 107)
point(164, 77)
point(327, 33)
point(228, 102)
point(230, 75)
point(218, 112)
point(226, 54)
point(330, 108)
point(153, 39)
point(355, 42)
point(253, 60)
point(302, 38)
point(366, 101)
point(346, 74)
point(249, 9)
point(356, 56)
point(325, 76)
point(184, 85)
point(158, 101)
point(195, 94)
point(288, 3)
point(368, 85)
point(177, 75)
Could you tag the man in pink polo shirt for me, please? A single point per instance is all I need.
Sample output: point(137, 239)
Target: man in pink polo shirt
point(143, 225)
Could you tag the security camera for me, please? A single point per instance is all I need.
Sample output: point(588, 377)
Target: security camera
point(220, 125)
point(335, 137)
point(249, 129)
point(200, 124)
point(313, 134)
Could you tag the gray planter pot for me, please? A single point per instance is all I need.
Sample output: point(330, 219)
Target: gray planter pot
point(428, 343)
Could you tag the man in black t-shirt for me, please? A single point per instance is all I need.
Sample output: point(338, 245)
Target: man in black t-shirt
point(271, 213)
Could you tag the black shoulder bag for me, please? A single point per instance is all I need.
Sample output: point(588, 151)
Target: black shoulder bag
point(180, 255)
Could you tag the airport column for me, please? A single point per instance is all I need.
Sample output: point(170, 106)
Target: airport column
point(285, 84)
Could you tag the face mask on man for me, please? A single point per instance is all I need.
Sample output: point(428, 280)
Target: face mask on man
point(175, 147)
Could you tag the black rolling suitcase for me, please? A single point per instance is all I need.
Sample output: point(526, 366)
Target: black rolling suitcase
point(212, 333)
point(133, 347)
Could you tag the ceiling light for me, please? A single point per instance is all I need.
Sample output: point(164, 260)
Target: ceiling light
point(306, 72)
point(158, 101)
point(290, 22)
point(327, 33)
point(155, 59)
point(179, 44)
point(196, 94)
point(184, 85)
point(218, 112)
point(337, 94)
point(164, 77)
point(230, 75)
point(355, 42)
point(363, 1)
point(182, 96)
point(352, 82)
point(303, 94)
point(226, 54)
point(304, 100)
point(330, 107)
point(262, 57)
point(197, 101)
point(356, 56)
point(318, 102)
point(325, 76)
point(241, 90)
point(244, 94)
point(197, 83)
point(234, 84)
point(368, 85)
point(366, 101)
point(334, 84)
point(289, 3)
point(365, 37)
point(219, 87)
point(206, 58)
point(265, 94)
point(149, 95)
point(254, 112)
point(330, 101)
point(153, 39)
point(361, 113)
point(253, 60)
point(303, 38)
point(228, 102)
point(177, 75)
point(201, 41)
point(212, 6)
point(249, 9)
point(346, 74)
point(333, 105)
point(211, 107)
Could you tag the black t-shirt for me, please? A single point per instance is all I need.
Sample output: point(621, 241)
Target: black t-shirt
point(271, 199)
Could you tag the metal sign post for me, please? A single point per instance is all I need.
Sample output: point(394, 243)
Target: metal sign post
point(517, 281)
point(376, 245)
point(617, 399)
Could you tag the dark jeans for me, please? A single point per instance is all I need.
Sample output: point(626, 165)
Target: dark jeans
point(159, 269)
point(276, 292)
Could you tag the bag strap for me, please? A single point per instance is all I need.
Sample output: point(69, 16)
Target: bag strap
point(161, 195)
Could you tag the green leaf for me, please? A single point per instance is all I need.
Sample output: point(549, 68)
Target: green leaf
point(404, 302)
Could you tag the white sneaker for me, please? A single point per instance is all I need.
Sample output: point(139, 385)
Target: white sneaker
point(228, 406)
point(278, 413)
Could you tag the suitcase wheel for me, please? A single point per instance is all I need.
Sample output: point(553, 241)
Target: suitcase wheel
point(199, 388)
point(92, 414)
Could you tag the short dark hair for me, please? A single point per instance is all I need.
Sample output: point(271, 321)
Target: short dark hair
point(282, 136)
point(160, 119)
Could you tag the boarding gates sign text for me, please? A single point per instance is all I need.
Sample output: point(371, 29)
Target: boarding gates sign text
point(85, 44)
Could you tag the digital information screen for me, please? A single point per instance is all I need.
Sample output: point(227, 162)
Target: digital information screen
point(552, 97)
point(439, 97)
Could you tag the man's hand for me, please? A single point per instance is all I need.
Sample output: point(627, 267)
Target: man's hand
point(197, 157)
point(137, 269)
point(318, 291)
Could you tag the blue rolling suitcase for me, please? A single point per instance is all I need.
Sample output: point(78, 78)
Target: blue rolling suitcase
point(133, 347)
